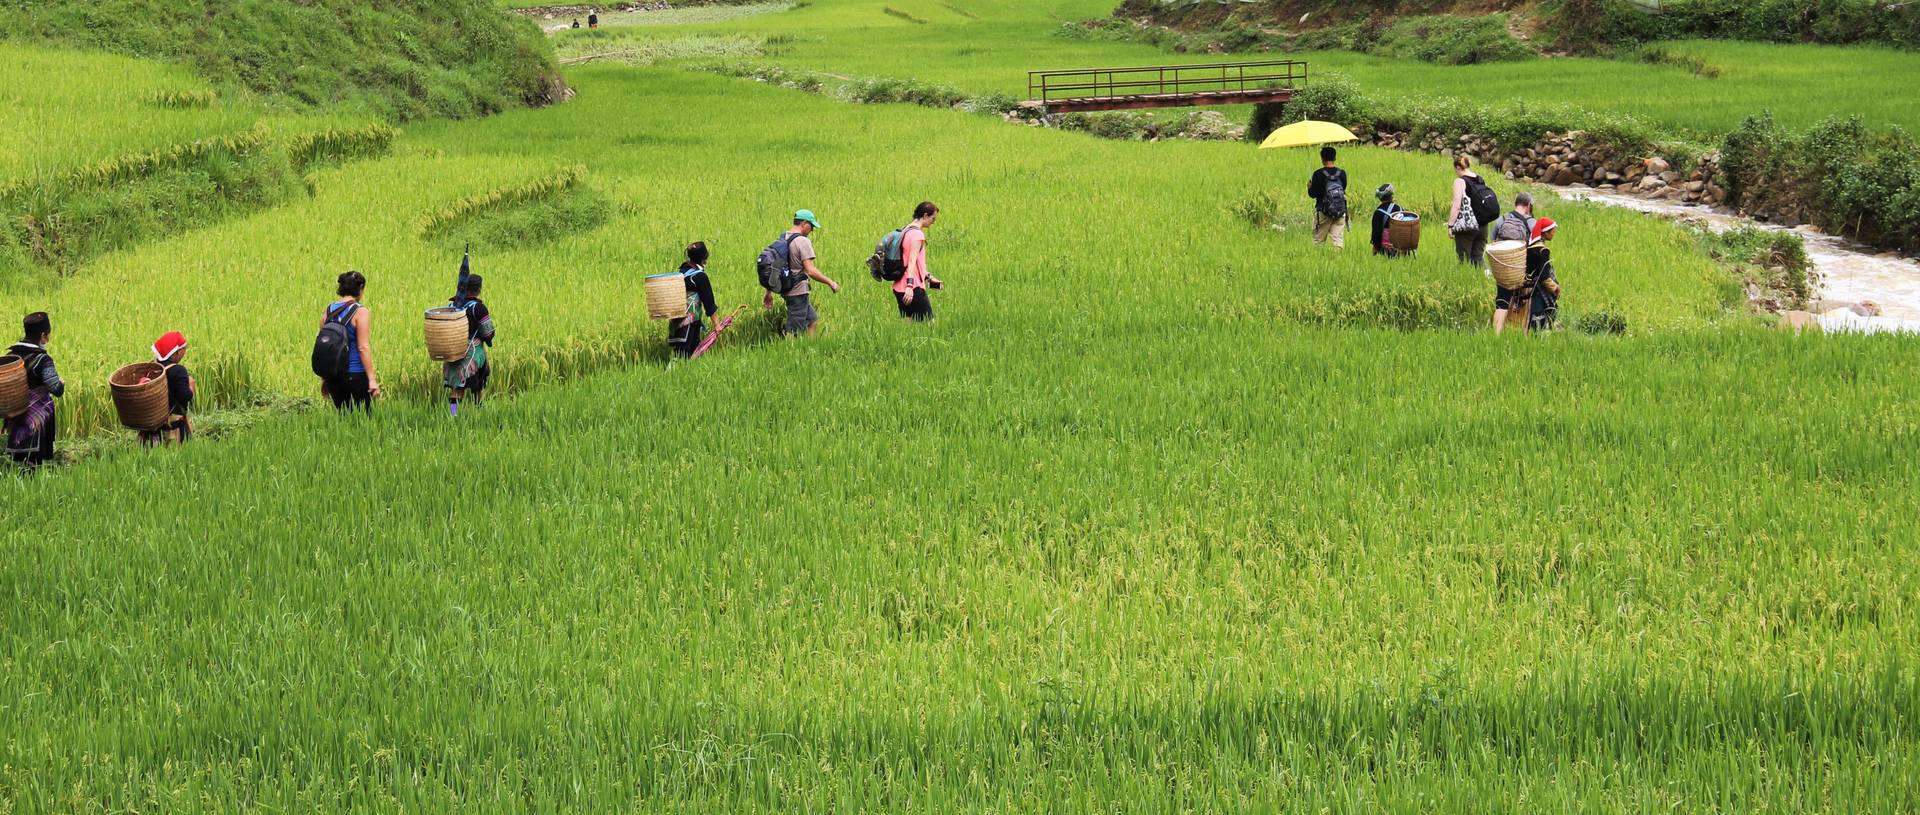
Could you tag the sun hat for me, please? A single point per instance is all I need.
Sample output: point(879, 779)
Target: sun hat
point(1385, 192)
point(169, 345)
point(806, 215)
point(1542, 227)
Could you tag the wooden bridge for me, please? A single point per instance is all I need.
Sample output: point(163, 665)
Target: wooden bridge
point(1165, 86)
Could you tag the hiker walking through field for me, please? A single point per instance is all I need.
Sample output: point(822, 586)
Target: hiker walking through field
point(170, 351)
point(1328, 189)
point(911, 291)
point(787, 268)
point(467, 377)
point(684, 334)
point(1470, 217)
point(1382, 217)
point(1518, 224)
point(1514, 226)
point(30, 435)
point(343, 353)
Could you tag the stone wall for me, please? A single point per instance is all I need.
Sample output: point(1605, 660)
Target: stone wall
point(1566, 159)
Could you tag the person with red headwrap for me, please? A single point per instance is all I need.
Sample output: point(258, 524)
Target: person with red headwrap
point(170, 350)
point(1543, 308)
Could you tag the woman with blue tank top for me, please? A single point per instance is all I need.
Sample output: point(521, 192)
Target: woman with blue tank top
point(360, 386)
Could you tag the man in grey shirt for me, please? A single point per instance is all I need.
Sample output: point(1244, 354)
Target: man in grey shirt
point(801, 318)
point(1518, 224)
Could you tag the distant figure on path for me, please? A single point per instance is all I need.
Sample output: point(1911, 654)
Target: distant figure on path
point(170, 351)
point(593, 19)
point(786, 269)
point(343, 353)
point(468, 375)
point(1382, 217)
point(684, 334)
point(1328, 189)
point(1470, 217)
point(911, 291)
point(30, 435)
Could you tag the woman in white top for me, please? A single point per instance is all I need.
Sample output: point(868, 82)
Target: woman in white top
point(1471, 244)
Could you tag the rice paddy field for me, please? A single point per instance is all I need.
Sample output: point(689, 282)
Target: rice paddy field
point(1169, 510)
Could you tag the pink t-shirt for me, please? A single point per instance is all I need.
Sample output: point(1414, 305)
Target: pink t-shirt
point(913, 253)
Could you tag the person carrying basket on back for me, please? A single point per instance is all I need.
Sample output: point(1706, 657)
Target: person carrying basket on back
point(30, 435)
point(467, 376)
point(170, 351)
point(684, 334)
point(1382, 220)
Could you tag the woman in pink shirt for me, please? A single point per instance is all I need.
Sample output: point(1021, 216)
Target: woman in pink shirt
point(910, 291)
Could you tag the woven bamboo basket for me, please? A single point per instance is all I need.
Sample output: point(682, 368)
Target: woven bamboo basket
point(1509, 262)
point(140, 395)
point(447, 334)
point(13, 386)
point(1403, 231)
point(666, 296)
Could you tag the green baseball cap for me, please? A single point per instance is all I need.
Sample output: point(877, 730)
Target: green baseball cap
point(806, 215)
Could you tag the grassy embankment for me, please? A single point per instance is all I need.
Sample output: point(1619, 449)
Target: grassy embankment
point(1136, 524)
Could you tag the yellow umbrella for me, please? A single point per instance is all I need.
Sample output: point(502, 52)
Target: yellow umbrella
point(1307, 134)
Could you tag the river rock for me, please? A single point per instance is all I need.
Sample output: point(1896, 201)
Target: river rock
point(1651, 183)
point(1657, 165)
point(1565, 176)
point(1670, 177)
point(1696, 186)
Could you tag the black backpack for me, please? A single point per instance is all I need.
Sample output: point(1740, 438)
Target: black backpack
point(775, 266)
point(1333, 197)
point(333, 349)
point(1486, 204)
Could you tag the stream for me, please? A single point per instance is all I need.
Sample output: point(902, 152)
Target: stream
point(1844, 271)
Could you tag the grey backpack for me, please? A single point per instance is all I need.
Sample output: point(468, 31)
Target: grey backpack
point(775, 266)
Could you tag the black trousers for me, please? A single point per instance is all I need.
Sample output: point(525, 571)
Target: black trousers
point(920, 310)
point(683, 339)
point(351, 391)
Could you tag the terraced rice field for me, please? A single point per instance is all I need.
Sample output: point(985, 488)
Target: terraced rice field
point(1169, 510)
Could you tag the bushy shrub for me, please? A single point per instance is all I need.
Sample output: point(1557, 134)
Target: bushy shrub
point(403, 61)
point(1451, 40)
point(1827, 21)
point(1333, 97)
point(1836, 174)
point(1771, 259)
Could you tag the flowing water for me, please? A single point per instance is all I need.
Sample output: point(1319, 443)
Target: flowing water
point(1844, 270)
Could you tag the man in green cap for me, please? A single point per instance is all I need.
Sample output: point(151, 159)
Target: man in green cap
point(801, 318)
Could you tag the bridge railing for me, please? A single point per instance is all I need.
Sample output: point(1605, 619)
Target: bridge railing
point(1163, 80)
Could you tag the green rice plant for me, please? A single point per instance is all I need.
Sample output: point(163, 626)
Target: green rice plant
point(442, 220)
point(182, 99)
point(339, 144)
